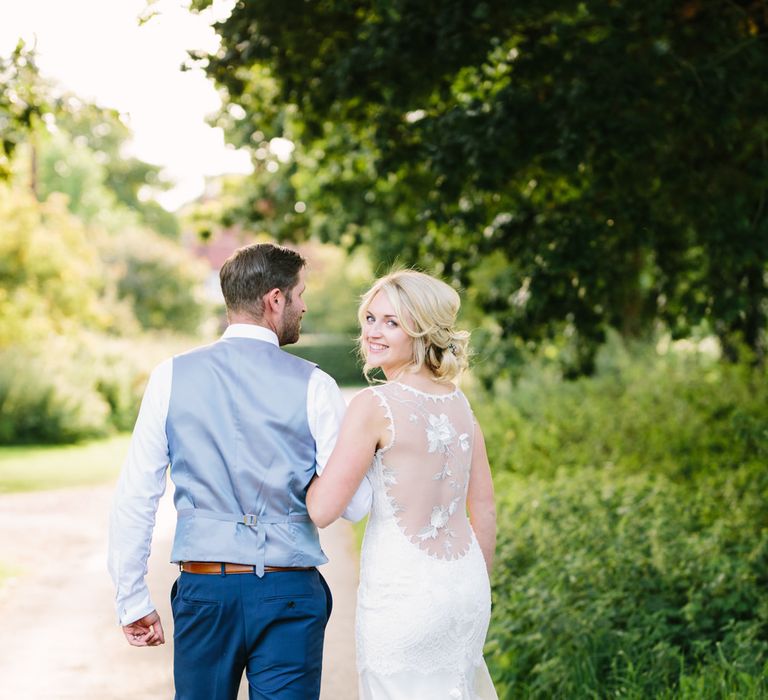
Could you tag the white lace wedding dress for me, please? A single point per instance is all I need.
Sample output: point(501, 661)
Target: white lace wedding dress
point(424, 599)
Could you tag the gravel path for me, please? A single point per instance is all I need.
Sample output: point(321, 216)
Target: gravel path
point(61, 635)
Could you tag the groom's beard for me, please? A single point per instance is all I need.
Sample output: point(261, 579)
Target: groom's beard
point(291, 329)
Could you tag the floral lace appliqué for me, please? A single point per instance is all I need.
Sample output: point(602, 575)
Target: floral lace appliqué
point(440, 433)
point(434, 527)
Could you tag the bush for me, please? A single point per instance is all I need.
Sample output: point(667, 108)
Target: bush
point(334, 354)
point(673, 415)
point(51, 278)
point(77, 389)
point(48, 399)
point(615, 585)
point(632, 556)
point(162, 281)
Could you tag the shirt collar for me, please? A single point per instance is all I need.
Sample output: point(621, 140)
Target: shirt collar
point(250, 330)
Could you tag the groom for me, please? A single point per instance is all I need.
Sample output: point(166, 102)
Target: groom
point(244, 427)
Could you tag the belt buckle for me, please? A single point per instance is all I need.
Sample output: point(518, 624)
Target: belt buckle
point(250, 520)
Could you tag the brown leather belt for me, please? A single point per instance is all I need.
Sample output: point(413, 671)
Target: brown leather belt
point(214, 567)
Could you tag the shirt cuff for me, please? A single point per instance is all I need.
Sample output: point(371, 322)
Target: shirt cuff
point(134, 607)
point(360, 505)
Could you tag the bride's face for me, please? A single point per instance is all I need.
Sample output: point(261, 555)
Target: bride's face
point(386, 344)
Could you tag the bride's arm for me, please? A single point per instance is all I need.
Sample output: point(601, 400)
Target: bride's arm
point(360, 434)
point(325, 397)
point(480, 500)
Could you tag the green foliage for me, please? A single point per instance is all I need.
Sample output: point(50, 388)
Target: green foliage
point(609, 157)
point(633, 530)
point(615, 585)
point(71, 168)
point(162, 282)
point(79, 265)
point(23, 99)
point(54, 280)
point(77, 148)
point(678, 415)
point(335, 284)
point(721, 679)
point(84, 157)
point(57, 294)
point(67, 389)
point(335, 354)
point(50, 278)
point(118, 373)
point(47, 396)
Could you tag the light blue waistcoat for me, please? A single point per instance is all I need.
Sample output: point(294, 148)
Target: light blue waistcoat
point(242, 456)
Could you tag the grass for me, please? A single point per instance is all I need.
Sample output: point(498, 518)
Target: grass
point(37, 468)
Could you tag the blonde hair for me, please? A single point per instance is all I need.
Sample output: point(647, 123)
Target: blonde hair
point(426, 309)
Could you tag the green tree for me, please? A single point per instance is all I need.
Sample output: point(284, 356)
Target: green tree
point(23, 100)
point(266, 201)
point(574, 166)
point(101, 132)
point(64, 145)
point(162, 281)
point(67, 166)
point(75, 147)
point(51, 278)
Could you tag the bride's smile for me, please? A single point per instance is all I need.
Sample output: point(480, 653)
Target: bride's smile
point(387, 345)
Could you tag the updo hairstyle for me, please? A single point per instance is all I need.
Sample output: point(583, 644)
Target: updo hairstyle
point(426, 309)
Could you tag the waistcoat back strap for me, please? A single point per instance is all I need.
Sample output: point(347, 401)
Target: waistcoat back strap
point(249, 520)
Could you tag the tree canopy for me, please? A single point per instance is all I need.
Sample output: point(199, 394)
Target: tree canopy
point(574, 166)
point(74, 147)
point(23, 99)
point(107, 262)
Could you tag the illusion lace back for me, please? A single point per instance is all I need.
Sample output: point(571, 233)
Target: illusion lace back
point(424, 597)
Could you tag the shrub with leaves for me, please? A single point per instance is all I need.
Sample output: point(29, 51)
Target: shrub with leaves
point(610, 584)
point(633, 531)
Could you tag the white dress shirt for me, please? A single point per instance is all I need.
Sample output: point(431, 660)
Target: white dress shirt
point(143, 477)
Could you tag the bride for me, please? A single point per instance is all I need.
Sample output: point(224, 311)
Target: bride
point(424, 599)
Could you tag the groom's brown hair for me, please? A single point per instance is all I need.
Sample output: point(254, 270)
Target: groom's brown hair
point(253, 270)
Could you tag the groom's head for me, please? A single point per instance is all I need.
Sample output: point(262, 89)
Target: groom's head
point(259, 284)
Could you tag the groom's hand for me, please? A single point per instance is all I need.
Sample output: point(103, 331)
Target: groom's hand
point(145, 632)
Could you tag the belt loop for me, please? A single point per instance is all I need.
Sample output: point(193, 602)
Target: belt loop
point(223, 569)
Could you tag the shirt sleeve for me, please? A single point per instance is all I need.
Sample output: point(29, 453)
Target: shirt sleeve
point(325, 411)
point(139, 488)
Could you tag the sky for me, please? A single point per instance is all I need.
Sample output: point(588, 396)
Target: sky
point(96, 49)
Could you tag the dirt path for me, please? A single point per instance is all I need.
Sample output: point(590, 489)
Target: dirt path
point(61, 638)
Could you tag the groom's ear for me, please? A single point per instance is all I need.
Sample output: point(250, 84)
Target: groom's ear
point(274, 300)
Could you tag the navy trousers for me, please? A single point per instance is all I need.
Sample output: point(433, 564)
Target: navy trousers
point(271, 627)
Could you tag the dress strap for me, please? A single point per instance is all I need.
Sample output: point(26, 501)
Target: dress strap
point(379, 394)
